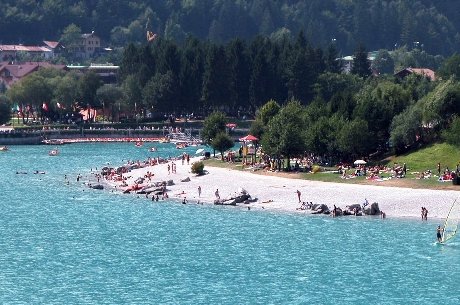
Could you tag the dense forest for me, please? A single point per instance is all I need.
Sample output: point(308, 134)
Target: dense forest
point(432, 25)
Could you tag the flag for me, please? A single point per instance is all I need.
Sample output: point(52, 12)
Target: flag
point(45, 107)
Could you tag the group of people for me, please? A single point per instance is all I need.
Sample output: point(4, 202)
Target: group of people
point(424, 213)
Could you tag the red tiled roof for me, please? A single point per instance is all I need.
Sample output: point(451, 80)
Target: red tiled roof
point(51, 44)
point(22, 69)
point(425, 72)
point(428, 73)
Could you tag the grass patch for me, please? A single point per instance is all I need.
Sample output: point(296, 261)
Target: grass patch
point(428, 157)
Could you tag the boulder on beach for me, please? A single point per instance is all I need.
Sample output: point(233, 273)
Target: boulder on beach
point(169, 182)
point(321, 208)
point(356, 206)
point(185, 179)
point(372, 209)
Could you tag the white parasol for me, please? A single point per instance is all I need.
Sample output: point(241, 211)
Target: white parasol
point(360, 162)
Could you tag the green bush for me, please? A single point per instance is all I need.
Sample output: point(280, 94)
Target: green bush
point(316, 169)
point(198, 168)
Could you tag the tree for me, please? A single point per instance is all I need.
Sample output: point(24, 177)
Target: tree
point(284, 134)
point(267, 112)
point(377, 103)
point(222, 142)
point(159, 93)
point(213, 125)
point(383, 63)
point(442, 104)
point(452, 134)
point(32, 92)
point(108, 95)
point(215, 79)
point(87, 88)
point(71, 37)
point(354, 139)
point(238, 74)
point(406, 129)
point(361, 65)
point(332, 62)
point(451, 67)
point(132, 94)
point(5, 110)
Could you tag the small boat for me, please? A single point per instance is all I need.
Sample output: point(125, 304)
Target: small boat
point(4, 148)
point(53, 152)
point(152, 149)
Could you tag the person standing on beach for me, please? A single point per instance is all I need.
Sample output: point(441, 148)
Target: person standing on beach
point(298, 195)
point(217, 194)
point(188, 159)
point(169, 169)
point(439, 169)
point(199, 191)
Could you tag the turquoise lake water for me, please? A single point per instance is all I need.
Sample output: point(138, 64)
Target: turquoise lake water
point(67, 244)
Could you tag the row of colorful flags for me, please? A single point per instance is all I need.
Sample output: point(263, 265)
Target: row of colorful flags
point(28, 108)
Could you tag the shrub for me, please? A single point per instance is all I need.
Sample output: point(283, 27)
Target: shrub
point(198, 168)
point(316, 169)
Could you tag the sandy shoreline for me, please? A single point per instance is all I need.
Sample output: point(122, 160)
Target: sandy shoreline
point(279, 193)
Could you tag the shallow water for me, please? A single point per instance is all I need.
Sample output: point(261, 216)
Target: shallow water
point(66, 244)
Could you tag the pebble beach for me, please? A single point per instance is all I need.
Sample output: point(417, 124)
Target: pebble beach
point(280, 194)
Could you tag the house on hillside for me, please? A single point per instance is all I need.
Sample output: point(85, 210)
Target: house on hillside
point(11, 72)
point(55, 46)
point(87, 46)
point(13, 52)
point(428, 73)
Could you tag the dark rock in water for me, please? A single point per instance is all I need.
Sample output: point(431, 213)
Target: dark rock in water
point(97, 187)
point(314, 206)
point(372, 209)
point(356, 206)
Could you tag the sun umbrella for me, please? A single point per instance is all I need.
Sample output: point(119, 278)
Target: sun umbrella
point(360, 162)
point(248, 138)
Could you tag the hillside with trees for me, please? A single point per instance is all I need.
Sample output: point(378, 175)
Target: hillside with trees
point(431, 25)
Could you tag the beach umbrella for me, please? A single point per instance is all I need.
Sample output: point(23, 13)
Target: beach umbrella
point(248, 138)
point(199, 151)
point(359, 162)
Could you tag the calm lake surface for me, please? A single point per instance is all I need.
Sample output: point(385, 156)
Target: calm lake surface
point(67, 244)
